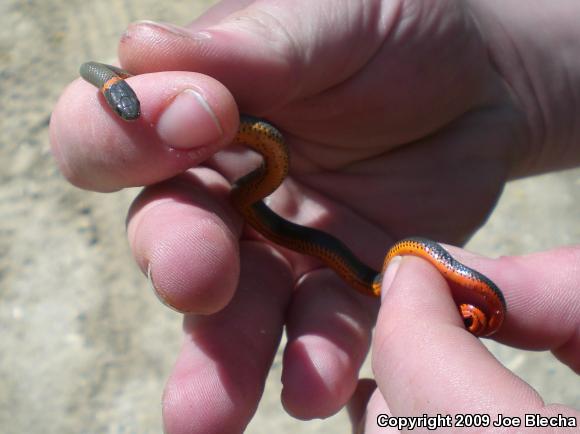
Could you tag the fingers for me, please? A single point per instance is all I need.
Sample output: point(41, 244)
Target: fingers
point(186, 117)
point(543, 308)
point(425, 362)
point(543, 290)
point(279, 52)
point(295, 63)
point(219, 375)
point(329, 328)
point(184, 235)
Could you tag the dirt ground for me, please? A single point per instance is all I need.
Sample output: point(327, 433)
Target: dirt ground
point(85, 346)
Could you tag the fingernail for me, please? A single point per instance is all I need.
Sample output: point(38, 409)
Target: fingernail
point(389, 275)
point(161, 25)
point(157, 294)
point(189, 122)
point(170, 28)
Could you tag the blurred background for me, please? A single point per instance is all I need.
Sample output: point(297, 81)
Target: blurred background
point(85, 346)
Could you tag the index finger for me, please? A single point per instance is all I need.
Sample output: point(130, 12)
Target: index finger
point(424, 360)
point(185, 118)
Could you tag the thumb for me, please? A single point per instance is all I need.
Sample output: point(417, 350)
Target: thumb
point(266, 53)
point(423, 359)
point(425, 363)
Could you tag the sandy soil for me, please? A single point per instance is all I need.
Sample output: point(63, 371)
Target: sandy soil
point(84, 344)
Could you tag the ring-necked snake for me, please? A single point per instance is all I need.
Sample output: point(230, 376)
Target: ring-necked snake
point(481, 303)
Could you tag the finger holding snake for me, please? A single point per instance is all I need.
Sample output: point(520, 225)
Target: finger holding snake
point(483, 309)
point(185, 118)
point(181, 297)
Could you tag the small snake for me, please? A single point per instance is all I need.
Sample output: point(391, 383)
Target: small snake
point(483, 306)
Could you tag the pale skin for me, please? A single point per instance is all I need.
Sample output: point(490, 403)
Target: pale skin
point(403, 118)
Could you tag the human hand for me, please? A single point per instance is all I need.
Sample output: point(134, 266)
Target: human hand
point(376, 104)
point(425, 363)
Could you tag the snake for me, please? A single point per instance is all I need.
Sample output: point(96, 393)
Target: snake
point(483, 306)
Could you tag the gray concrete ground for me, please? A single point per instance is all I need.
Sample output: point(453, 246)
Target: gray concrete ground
point(84, 345)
